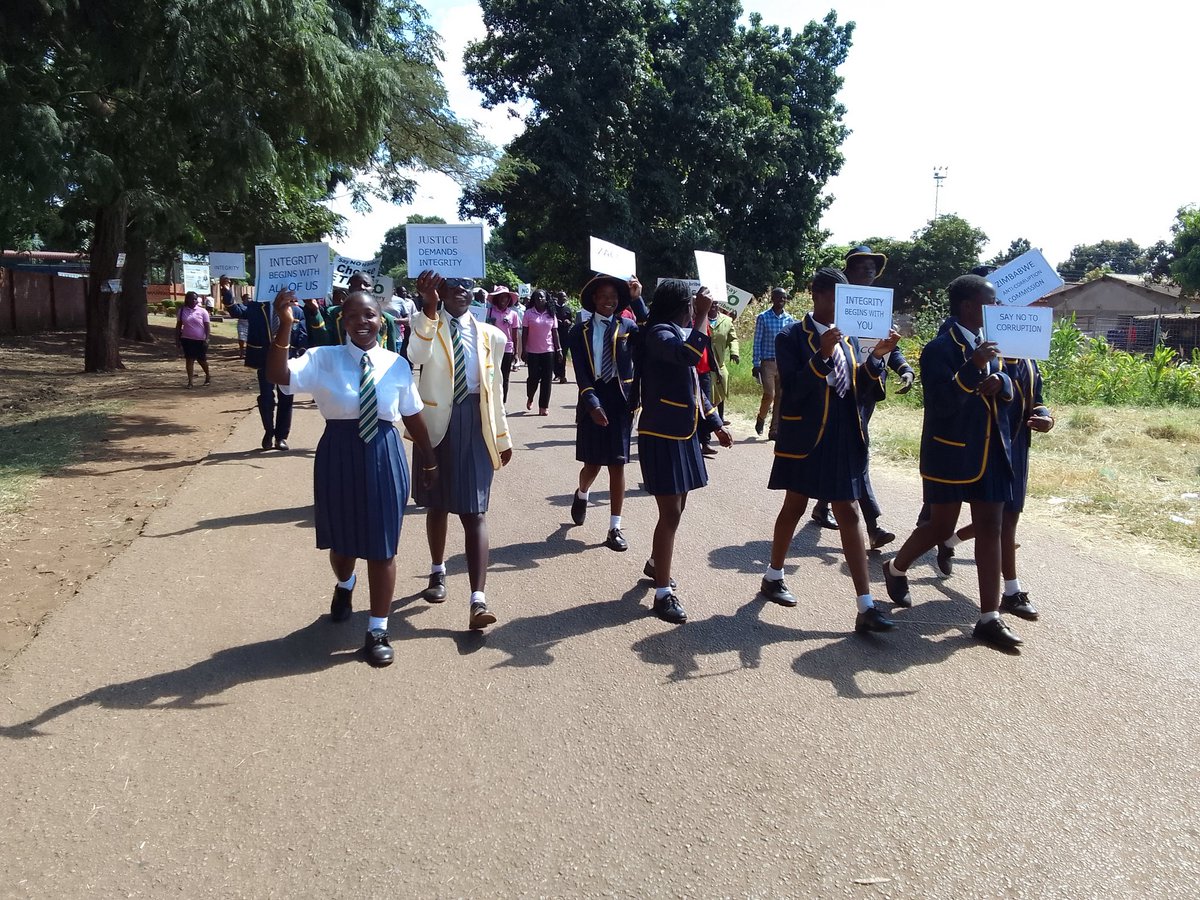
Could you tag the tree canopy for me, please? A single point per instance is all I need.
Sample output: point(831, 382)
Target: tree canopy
point(661, 125)
point(1185, 266)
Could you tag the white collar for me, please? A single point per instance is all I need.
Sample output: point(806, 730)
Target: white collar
point(357, 353)
point(821, 329)
point(967, 333)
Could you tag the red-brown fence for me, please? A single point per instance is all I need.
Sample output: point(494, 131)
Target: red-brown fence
point(33, 300)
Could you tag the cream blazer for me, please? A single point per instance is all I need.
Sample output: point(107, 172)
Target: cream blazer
point(429, 348)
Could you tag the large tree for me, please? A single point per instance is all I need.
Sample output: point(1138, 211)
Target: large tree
point(1123, 257)
point(156, 117)
point(1185, 266)
point(661, 125)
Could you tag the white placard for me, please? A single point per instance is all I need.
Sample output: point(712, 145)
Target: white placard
point(710, 272)
point(609, 259)
point(524, 291)
point(303, 268)
point(864, 312)
point(1022, 333)
point(479, 311)
point(383, 288)
point(121, 260)
point(345, 266)
point(195, 274)
point(1025, 280)
point(737, 299)
point(453, 251)
point(229, 265)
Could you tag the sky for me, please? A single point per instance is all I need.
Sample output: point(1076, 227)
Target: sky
point(1060, 123)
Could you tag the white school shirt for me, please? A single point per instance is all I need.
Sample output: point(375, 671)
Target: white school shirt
point(466, 332)
point(332, 375)
point(831, 378)
point(598, 327)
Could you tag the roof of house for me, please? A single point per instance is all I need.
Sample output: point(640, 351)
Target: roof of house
point(1133, 282)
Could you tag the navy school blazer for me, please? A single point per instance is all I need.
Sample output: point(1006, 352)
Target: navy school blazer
point(807, 395)
point(959, 424)
point(672, 402)
point(258, 331)
point(1027, 398)
point(587, 369)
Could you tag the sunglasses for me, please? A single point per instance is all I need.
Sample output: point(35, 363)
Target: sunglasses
point(466, 284)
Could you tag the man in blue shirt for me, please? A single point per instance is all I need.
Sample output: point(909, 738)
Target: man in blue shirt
point(766, 328)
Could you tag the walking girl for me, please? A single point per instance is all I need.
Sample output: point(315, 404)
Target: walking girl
point(540, 349)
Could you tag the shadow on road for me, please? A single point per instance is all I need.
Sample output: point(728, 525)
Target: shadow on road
point(314, 648)
point(300, 516)
point(526, 555)
point(752, 557)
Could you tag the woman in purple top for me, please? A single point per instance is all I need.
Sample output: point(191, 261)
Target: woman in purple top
point(192, 329)
point(503, 315)
point(539, 349)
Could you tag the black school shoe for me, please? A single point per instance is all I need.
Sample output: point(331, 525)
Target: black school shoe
point(282, 444)
point(668, 609)
point(578, 509)
point(897, 586)
point(998, 634)
point(825, 518)
point(871, 619)
point(1019, 605)
point(480, 616)
point(340, 606)
point(436, 592)
point(648, 571)
point(616, 540)
point(880, 537)
point(377, 648)
point(945, 559)
point(777, 592)
point(267, 440)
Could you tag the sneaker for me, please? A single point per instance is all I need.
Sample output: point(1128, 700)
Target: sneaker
point(1019, 605)
point(378, 648)
point(897, 586)
point(340, 606)
point(481, 616)
point(436, 592)
point(998, 634)
point(776, 591)
point(668, 609)
point(945, 559)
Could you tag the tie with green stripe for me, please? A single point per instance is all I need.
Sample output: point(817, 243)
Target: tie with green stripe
point(368, 408)
point(460, 362)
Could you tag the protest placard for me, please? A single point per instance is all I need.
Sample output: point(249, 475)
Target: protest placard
point(524, 291)
point(453, 251)
point(383, 288)
point(303, 268)
point(1022, 333)
point(1026, 279)
point(710, 271)
point(195, 273)
point(230, 265)
point(864, 312)
point(692, 283)
point(609, 259)
point(345, 266)
point(479, 311)
point(737, 299)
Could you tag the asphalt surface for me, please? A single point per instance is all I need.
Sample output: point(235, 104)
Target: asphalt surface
point(192, 725)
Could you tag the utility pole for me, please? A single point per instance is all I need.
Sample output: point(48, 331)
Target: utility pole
point(939, 175)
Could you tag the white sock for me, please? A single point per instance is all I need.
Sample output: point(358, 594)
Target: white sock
point(614, 522)
point(1012, 585)
point(650, 562)
point(954, 540)
point(891, 564)
point(774, 574)
point(865, 602)
point(437, 569)
point(349, 583)
point(987, 617)
point(582, 495)
point(659, 593)
point(477, 597)
point(377, 622)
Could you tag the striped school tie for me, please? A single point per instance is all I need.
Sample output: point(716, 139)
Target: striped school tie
point(460, 362)
point(607, 366)
point(841, 377)
point(368, 408)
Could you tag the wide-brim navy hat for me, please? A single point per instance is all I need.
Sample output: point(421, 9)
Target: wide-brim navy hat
point(587, 295)
point(863, 250)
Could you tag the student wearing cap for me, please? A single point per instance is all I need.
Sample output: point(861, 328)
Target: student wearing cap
point(862, 268)
point(672, 406)
point(601, 350)
point(502, 314)
point(821, 449)
point(462, 389)
point(966, 453)
point(766, 328)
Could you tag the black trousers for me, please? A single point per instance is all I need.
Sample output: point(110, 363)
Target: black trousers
point(274, 407)
point(505, 369)
point(703, 428)
point(541, 372)
point(560, 366)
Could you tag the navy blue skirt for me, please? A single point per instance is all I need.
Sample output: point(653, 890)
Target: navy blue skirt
point(1020, 464)
point(834, 470)
point(671, 467)
point(359, 490)
point(606, 445)
point(465, 472)
point(995, 486)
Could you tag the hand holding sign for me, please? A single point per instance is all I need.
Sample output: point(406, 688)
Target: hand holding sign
point(864, 312)
point(829, 342)
point(887, 345)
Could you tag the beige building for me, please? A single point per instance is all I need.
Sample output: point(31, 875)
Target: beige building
point(1113, 301)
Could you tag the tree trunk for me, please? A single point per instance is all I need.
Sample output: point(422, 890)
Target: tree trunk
point(101, 348)
point(134, 322)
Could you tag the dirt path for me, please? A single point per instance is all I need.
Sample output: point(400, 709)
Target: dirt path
point(132, 457)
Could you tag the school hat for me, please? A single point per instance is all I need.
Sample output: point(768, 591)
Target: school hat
point(502, 291)
point(587, 295)
point(864, 250)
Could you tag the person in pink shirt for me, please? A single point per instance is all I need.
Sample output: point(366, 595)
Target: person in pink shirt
point(503, 314)
point(192, 329)
point(539, 349)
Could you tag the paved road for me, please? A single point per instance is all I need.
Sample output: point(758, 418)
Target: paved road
point(191, 725)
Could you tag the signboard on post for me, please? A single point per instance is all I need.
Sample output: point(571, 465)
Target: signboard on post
point(1022, 333)
point(609, 259)
point(710, 272)
point(195, 274)
point(344, 267)
point(1025, 280)
point(303, 268)
point(453, 251)
point(863, 312)
point(229, 265)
